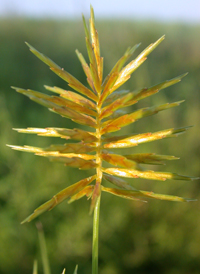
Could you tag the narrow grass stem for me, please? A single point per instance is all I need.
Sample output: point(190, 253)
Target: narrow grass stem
point(95, 243)
point(95, 237)
point(43, 248)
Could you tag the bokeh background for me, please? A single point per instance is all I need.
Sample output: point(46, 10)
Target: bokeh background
point(157, 237)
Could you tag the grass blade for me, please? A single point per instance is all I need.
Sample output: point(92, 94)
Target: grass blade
point(60, 197)
point(135, 194)
point(143, 138)
point(151, 175)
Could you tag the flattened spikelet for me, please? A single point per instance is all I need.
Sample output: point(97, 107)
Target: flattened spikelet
point(100, 106)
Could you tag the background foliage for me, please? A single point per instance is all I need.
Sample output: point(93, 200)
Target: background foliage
point(158, 237)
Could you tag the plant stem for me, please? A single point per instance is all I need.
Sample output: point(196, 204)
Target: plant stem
point(95, 237)
point(43, 248)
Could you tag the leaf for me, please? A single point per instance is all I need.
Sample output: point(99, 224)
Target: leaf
point(119, 103)
point(76, 133)
point(71, 148)
point(74, 83)
point(26, 148)
point(143, 138)
point(38, 97)
point(118, 66)
point(115, 125)
point(60, 197)
point(118, 160)
point(74, 106)
point(96, 194)
point(85, 28)
point(133, 65)
point(151, 175)
point(120, 193)
point(145, 92)
point(150, 158)
point(87, 191)
point(95, 44)
point(95, 76)
point(63, 149)
point(54, 101)
point(86, 70)
point(35, 267)
point(115, 95)
point(132, 194)
point(43, 249)
point(42, 57)
point(93, 65)
point(72, 96)
point(118, 182)
point(81, 161)
point(116, 114)
point(109, 84)
point(114, 74)
point(76, 269)
point(79, 118)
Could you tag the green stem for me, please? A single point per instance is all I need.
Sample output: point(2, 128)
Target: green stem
point(95, 237)
point(43, 248)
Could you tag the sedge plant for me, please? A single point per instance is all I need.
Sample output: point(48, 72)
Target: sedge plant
point(102, 108)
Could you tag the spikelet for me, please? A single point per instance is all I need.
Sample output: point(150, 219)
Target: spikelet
point(98, 107)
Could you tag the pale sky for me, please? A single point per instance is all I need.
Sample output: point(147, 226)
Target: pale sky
point(164, 10)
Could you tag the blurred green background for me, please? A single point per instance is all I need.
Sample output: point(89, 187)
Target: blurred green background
point(157, 237)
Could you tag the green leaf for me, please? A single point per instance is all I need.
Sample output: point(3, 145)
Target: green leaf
point(71, 148)
point(118, 66)
point(119, 103)
point(109, 84)
point(76, 133)
point(81, 161)
point(54, 101)
point(118, 160)
point(74, 83)
point(35, 267)
point(134, 194)
point(87, 191)
point(86, 70)
point(149, 174)
point(116, 124)
point(145, 92)
point(62, 149)
point(38, 97)
point(60, 197)
point(125, 73)
point(118, 182)
point(76, 269)
point(85, 28)
point(43, 249)
point(115, 95)
point(121, 142)
point(121, 193)
point(42, 57)
point(96, 194)
point(75, 116)
point(112, 77)
point(95, 44)
point(72, 96)
point(150, 158)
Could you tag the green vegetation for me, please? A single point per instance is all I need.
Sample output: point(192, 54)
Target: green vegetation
point(149, 238)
